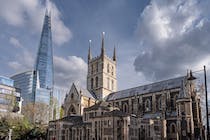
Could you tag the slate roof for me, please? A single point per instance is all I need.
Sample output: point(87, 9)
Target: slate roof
point(74, 119)
point(85, 92)
point(101, 104)
point(150, 88)
point(115, 113)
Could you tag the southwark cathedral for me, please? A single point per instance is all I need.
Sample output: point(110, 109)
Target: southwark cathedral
point(165, 110)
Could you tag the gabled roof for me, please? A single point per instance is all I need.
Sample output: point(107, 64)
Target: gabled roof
point(84, 92)
point(150, 88)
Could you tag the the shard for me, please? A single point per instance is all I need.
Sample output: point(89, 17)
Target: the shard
point(44, 60)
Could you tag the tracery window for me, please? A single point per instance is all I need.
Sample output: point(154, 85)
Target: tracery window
point(107, 68)
point(71, 110)
point(125, 107)
point(173, 101)
point(108, 83)
point(160, 103)
point(147, 105)
point(97, 67)
point(91, 83)
point(91, 69)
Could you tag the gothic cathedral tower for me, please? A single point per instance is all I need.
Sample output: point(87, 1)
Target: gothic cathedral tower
point(101, 77)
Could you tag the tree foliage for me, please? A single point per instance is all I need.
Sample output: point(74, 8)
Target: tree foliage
point(22, 129)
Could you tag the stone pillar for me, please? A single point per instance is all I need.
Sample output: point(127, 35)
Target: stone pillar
point(164, 130)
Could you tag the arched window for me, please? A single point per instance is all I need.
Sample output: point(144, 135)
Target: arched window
point(107, 68)
point(96, 66)
point(108, 82)
point(96, 81)
point(112, 70)
point(91, 69)
point(71, 110)
point(173, 101)
point(160, 103)
point(147, 105)
point(91, 83)
point(125, 107)
point(72, 95)
point(173, 128)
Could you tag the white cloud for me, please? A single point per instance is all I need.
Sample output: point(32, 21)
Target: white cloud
point(30, 14)
point(23, 61)
point(175, 35)
point(66, 70)
point(15, 65)
point(15, 42)
point(69, 70)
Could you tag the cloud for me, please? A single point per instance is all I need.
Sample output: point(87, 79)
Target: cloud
point(15, 42)
point(174, 36)
point(66, 70)
point(15, 65)
point(30, 14)
point(23, 61)
point(69, 70)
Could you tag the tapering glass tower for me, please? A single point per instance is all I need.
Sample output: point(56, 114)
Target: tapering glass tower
point(44, 60)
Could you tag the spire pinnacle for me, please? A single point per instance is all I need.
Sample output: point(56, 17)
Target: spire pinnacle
point(102, 44)
point(114, 54)
point(46, 12)
point(89, 52)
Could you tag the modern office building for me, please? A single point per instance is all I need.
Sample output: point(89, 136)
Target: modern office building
point(40, 80)
point(26, 82)
point(37, 84)
point(44, 60)
point(10, 99)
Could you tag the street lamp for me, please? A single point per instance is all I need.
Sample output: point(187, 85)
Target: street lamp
point(207, 112)
point(191, 77)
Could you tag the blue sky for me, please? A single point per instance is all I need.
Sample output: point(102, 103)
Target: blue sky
point(155, 39)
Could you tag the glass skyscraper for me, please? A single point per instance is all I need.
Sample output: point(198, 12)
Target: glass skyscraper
point(26, 81)
point(37, 85)
point(44, 60)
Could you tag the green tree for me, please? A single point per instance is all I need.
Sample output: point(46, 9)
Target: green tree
point(22, 129)
point(61, 112)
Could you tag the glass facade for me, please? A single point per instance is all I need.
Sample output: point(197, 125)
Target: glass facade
point(26, 81)
point(6, 81)
point(44, 60)
point(37, 85)
point(9, 95)
point(42, 96)
point(59, 95)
